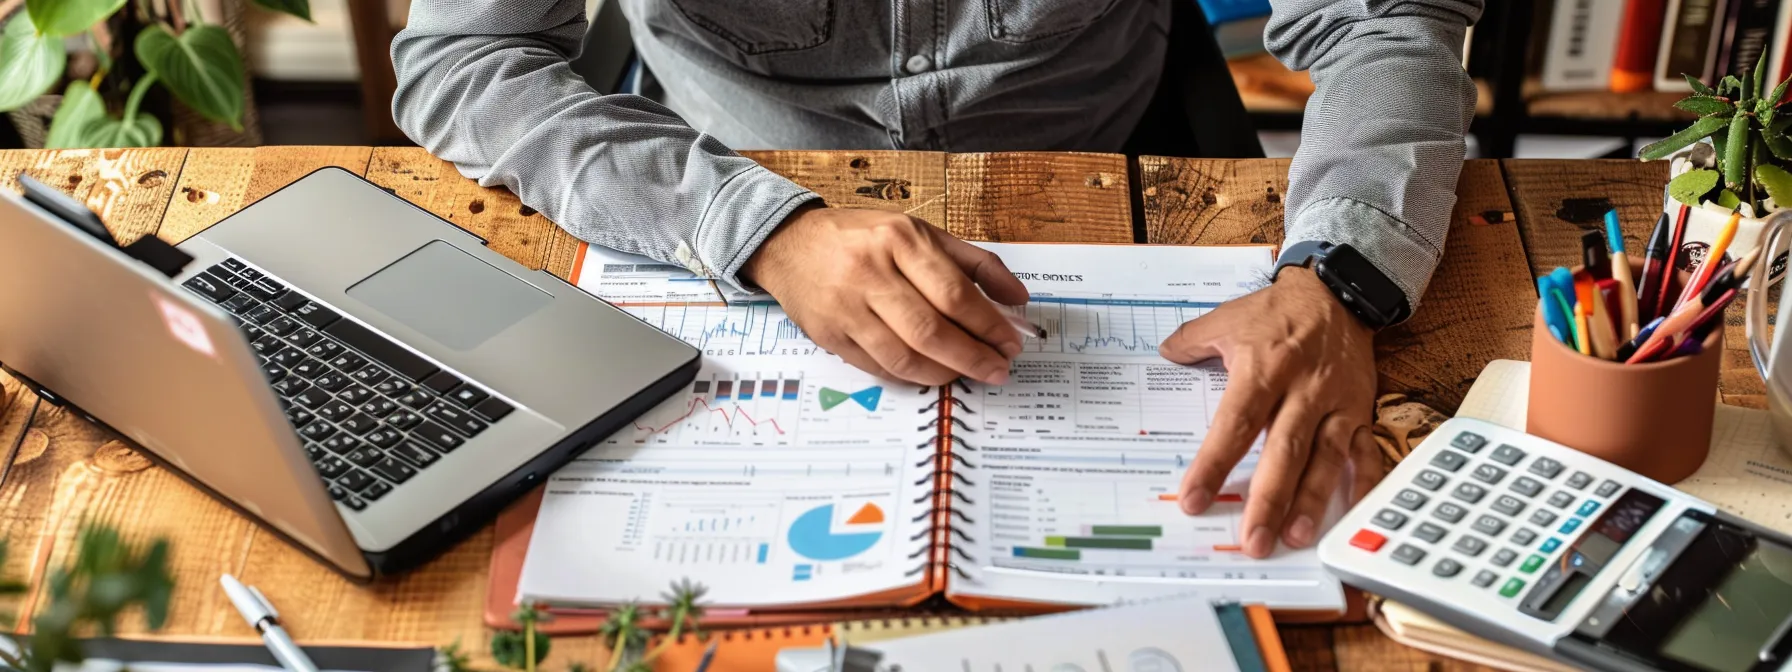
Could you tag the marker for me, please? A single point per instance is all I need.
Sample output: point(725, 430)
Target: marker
point(1656, 266)
point(1594, 256)
point(1562, 288)
point(1553, 316)
point(1621, 272)
point(1687, 315)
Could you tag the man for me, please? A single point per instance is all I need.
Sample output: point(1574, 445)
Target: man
point(486, 84)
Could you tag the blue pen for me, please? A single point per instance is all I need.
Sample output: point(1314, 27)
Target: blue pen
point(1642, 336)
point(1562, 290)
point(1553, 317)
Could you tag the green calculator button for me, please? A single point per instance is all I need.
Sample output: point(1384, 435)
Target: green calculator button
point(1513, 585)
point(1530, 565)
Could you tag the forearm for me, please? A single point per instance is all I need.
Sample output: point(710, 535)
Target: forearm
point(486, 85)
point(1382, 140)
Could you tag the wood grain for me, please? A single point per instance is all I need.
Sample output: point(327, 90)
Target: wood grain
point(220, 181)
point(1477, 308)
point(509, 227)
point(1037, 196)
point(129, 188)
point(912, 183)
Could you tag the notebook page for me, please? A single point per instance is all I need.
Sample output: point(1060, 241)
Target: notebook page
point(1500, 394)
point(1078, 459)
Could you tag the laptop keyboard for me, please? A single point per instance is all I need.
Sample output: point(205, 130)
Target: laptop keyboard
point(369, 412)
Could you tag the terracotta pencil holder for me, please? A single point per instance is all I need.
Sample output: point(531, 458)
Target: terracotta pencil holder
point(1653, 419)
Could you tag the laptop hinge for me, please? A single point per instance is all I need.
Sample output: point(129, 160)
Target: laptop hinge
point(150, 250)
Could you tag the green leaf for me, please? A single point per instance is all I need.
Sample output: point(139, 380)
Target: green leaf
point(80, 105)
point(298, 8)
point(1698, 87)
point(1691, 186)
point(1730, 86)
point(62, 18)
point(201, 67)
point(1777, 182)
point(1759, 74)
point(1691, 134)
point(1780, 146)
point(1706, 105)
point(30, 63)
point(509, 650)
point(1779, 93)
point(1735, 157)
point(1728, 200)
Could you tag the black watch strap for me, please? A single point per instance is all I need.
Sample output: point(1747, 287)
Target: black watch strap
point(1363, 289)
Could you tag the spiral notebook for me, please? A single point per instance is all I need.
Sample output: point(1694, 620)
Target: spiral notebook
point(785, 480)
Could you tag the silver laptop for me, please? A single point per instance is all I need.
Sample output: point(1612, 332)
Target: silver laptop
point(362, 377)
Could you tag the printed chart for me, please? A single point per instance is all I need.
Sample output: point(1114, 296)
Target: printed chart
point(1109, 325)
point(723, 330)
point(1103, 398)
point(778, 408)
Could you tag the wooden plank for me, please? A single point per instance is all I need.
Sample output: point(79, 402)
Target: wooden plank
point(1557, 201)
point(129, 188)
point(1037, 196)
point(509, 227)
point(1477, 308)
point(220, 181)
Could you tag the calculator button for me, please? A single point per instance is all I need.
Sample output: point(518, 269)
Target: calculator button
point(1531, 564)
point(1489, 474)
point(1410, 499)
point(1542, 518)
point(1469, 546)
point(1570, 526)
point(1507, 455)
point(1523, 537)
point(1490, 525)
point(1368, 540)
point(1503, 557)
point(1579, 480)
point(1448, 460)
point(1469, 492)
point(1508, 505)
point(1561, 499)
point(1428, 532)
point(1446, 568)
point(1390, 519)
point(1429, 480)
point(1527, 486)
point(1550, 545)
point(1408, 554)
point(1448, 512)
point(1587, 508)
point(1513, 585)
point(1469, 442)
point(1485, 578)
point(1607, 489)
point(1545, 467)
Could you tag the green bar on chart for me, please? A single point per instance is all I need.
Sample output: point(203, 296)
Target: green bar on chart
point(1048, 553)
point(1126, 530)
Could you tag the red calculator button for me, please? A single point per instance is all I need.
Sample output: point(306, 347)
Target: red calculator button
point(1367, 540)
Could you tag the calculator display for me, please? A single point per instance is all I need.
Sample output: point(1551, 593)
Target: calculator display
point(1588, 555)
point(1725, 633)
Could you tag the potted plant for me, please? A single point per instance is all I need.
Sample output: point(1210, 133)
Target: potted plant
point(171, 49)
point(1736, 157)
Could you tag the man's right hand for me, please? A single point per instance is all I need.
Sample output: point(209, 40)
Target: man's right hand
point(891, 294)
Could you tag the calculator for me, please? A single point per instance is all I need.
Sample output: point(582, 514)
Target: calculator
point(1533, 544)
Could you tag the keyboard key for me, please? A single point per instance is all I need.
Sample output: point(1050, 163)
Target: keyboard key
point(337, 492)
point(309, 369)
point(298, 416)
point(1487, 473)
point(1545, 467)
point(1484, 579)
point(1607, 489)
point(314, 452)
point(1448, 460)
point(1503, 557)
point(403, 420)
point(1489, 525)
point(1446, 568)
point(467, 395)
point(274, 372)
point(266, 289)
point(1428, 532)
point(317, 431)
point(391, 387)
point(1580, 480)
point(416, 399)
point(348, 362)
point(382, 350)
point(1506, 455)
point(1531, 564)
point(342, 444)
point(384, 437)
point(1569, 526)
point(421, 457)
point(1408, 554)
point(302, 337)
point(281, 326)
point(438, 436)
point(1449, 512)
point(335, 410)
point(355, 480)
point(364, 456)
point(1410, 499)
point(376, 491)
point(493, 409)
point(1523, 537)
point(442, 382)
point(324, 350)
point(355, 394)
point(231, 264)
point(291, 301)
point(1527, 486)
point(1469, 546)
point(261, 314)
point(1587, 508)
point(1389, 519)
point(209, 287)
point(310, 312)
point(370, 375)
point(393, 470)
point(1550, 545)
point(1508, 505)
point(1512, 587)
point(354, 503)
point(331, 467)
point(379, 407)
point(358, 423)
point(289, 357)
point(1469, 492)
point(1561, 499)
point(238, 304)
point(331, 381)
point(1542, 518)
point(1430, 480)
point(1468, 442)
point(455, 419)
point(249, 274)
point(311, 398)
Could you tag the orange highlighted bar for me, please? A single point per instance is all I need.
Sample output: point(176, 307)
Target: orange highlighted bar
point(1228, 548)
point(1168, 497)
point(1229, 498)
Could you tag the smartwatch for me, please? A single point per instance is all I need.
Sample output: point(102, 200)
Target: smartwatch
point(1363, 289)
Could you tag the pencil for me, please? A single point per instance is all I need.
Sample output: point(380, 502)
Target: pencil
point(1621, 272)
point(1713, 259)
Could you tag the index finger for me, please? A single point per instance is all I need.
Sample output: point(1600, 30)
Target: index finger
point(946, 287)
point(983, 267)
point(1244, 409)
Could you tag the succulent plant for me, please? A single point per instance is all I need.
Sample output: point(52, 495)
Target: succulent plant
point(1747, 125)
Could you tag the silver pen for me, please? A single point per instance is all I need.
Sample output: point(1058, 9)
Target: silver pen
point(260, 614)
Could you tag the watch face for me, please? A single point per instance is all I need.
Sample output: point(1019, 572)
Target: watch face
point(1366, 282)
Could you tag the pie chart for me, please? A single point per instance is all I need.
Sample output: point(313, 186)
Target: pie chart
point(815, 536)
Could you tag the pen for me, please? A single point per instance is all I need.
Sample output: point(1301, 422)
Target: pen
point(1713, 258)
point(1599, 319)
point(1026, 328)
point(1687, 315)
point(709, 654)
point(1562, 289)
point(1621, 272)
point(1593, 255)
point(1711, 314)
point(1582, 340)
point(261, 615)
point(1552, 312)
point(1642, 336)
point(1655, 266)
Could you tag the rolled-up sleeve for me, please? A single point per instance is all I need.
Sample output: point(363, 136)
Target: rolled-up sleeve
point(1382, 141)
point(486, 84)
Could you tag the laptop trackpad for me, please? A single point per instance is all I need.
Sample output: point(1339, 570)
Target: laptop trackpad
point(449, 295)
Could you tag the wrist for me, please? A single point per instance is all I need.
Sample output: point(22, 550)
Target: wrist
point(766, 257)
point(1311, 292)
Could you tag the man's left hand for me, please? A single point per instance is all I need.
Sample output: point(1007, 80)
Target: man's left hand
point(1301, 365)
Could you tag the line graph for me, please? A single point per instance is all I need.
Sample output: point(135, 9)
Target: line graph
point(756, 329)
point(727, 418)
point(1107, 324)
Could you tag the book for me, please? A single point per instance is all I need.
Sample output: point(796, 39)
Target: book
point(1779, 57)
point(1748, 33)
point(785, 480)
point(1227, 11)
point(1689, 42)
point(1583, 40)
point(1639, 40)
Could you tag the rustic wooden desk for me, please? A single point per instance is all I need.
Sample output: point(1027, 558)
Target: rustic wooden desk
point(1511, 219)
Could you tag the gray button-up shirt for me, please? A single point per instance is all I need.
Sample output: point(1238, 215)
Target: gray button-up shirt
point(486, 84)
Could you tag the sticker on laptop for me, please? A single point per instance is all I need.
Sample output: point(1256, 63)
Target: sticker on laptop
point(185, 326)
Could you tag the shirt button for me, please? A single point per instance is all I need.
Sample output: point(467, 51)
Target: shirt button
point(917, 64)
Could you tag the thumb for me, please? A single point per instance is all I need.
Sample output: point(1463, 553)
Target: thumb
point(984, 268)
point(1196, 340)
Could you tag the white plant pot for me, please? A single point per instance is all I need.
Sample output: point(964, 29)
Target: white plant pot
point(1707, 220)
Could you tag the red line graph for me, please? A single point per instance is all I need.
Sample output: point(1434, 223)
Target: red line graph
point(692, 410)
